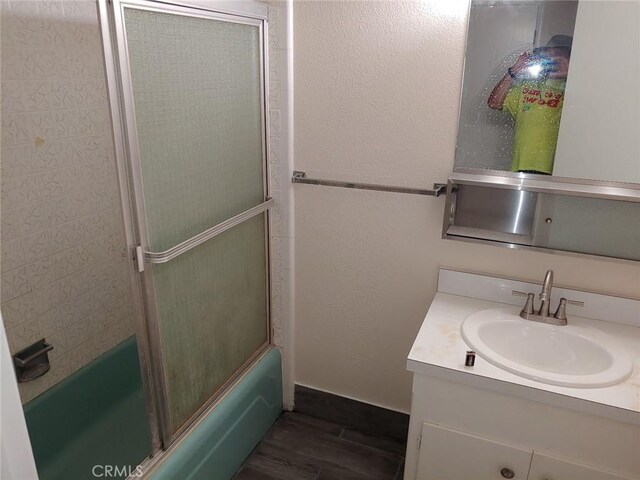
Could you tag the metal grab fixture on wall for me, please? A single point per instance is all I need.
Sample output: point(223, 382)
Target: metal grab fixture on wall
point(301, 177)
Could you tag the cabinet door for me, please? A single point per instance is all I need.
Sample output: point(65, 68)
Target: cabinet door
point(544, 467)
point(447, 454)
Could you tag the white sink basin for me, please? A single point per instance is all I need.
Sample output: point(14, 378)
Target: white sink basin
point(569, 356)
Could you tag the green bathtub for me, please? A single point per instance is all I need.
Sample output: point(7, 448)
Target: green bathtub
point(94, 418)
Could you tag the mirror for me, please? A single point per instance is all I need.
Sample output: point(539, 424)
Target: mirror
point(548, 148)
point(550, 89)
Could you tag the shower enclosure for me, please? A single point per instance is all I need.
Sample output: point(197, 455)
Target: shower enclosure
point(188, 100)
point(136, 298)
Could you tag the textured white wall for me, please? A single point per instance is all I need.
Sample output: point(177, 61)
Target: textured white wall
point(376, 99)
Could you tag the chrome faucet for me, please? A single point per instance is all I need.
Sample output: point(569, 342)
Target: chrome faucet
point(545, 294)
point(543, 315)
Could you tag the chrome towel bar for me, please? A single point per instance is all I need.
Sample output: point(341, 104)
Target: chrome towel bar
point(301, 177)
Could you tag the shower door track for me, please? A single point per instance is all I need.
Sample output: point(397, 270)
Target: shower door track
point(111, 14)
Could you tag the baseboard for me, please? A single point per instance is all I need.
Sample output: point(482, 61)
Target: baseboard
point(364, 417)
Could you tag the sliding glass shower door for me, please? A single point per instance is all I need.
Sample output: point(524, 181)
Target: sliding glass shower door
point(194, 114)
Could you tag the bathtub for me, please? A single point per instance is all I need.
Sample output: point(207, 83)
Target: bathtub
point(225, 437)
point(93, 419)
point(96, 418)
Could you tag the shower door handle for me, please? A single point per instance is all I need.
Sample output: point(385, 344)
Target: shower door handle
point(173, 252)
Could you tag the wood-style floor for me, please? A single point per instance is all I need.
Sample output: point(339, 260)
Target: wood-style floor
point(301, 447)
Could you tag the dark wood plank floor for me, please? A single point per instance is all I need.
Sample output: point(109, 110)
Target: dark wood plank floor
point(301, 447)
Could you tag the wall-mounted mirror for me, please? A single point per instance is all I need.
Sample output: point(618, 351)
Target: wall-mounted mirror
point(550, 87)
point(550, 110)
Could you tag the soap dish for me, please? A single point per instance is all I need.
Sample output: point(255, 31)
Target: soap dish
point(33, 361)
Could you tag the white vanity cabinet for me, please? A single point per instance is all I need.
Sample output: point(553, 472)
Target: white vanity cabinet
point(482, 422)
point(449, 454)
point(446, 454)
point(544, 467)
point(466, 432)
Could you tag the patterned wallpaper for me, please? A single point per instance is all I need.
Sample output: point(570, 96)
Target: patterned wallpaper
point(64, 274)
point(275, 165)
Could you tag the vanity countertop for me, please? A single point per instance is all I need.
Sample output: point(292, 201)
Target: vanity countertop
point(439, 349)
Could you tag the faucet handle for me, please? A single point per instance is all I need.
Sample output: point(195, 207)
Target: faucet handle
point(528, 306)
point(561, 313)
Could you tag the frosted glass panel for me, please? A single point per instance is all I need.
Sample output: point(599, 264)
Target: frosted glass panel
point(196, 90)
point(212, 314)
point(196, 85)
point(589, 225)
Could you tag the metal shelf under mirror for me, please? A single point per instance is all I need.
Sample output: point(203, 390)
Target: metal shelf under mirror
point(584, 220)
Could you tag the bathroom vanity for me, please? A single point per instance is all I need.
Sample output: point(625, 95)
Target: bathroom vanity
point(521, 420)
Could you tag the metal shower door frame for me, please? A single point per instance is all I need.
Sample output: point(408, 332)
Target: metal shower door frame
point(130, 177)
